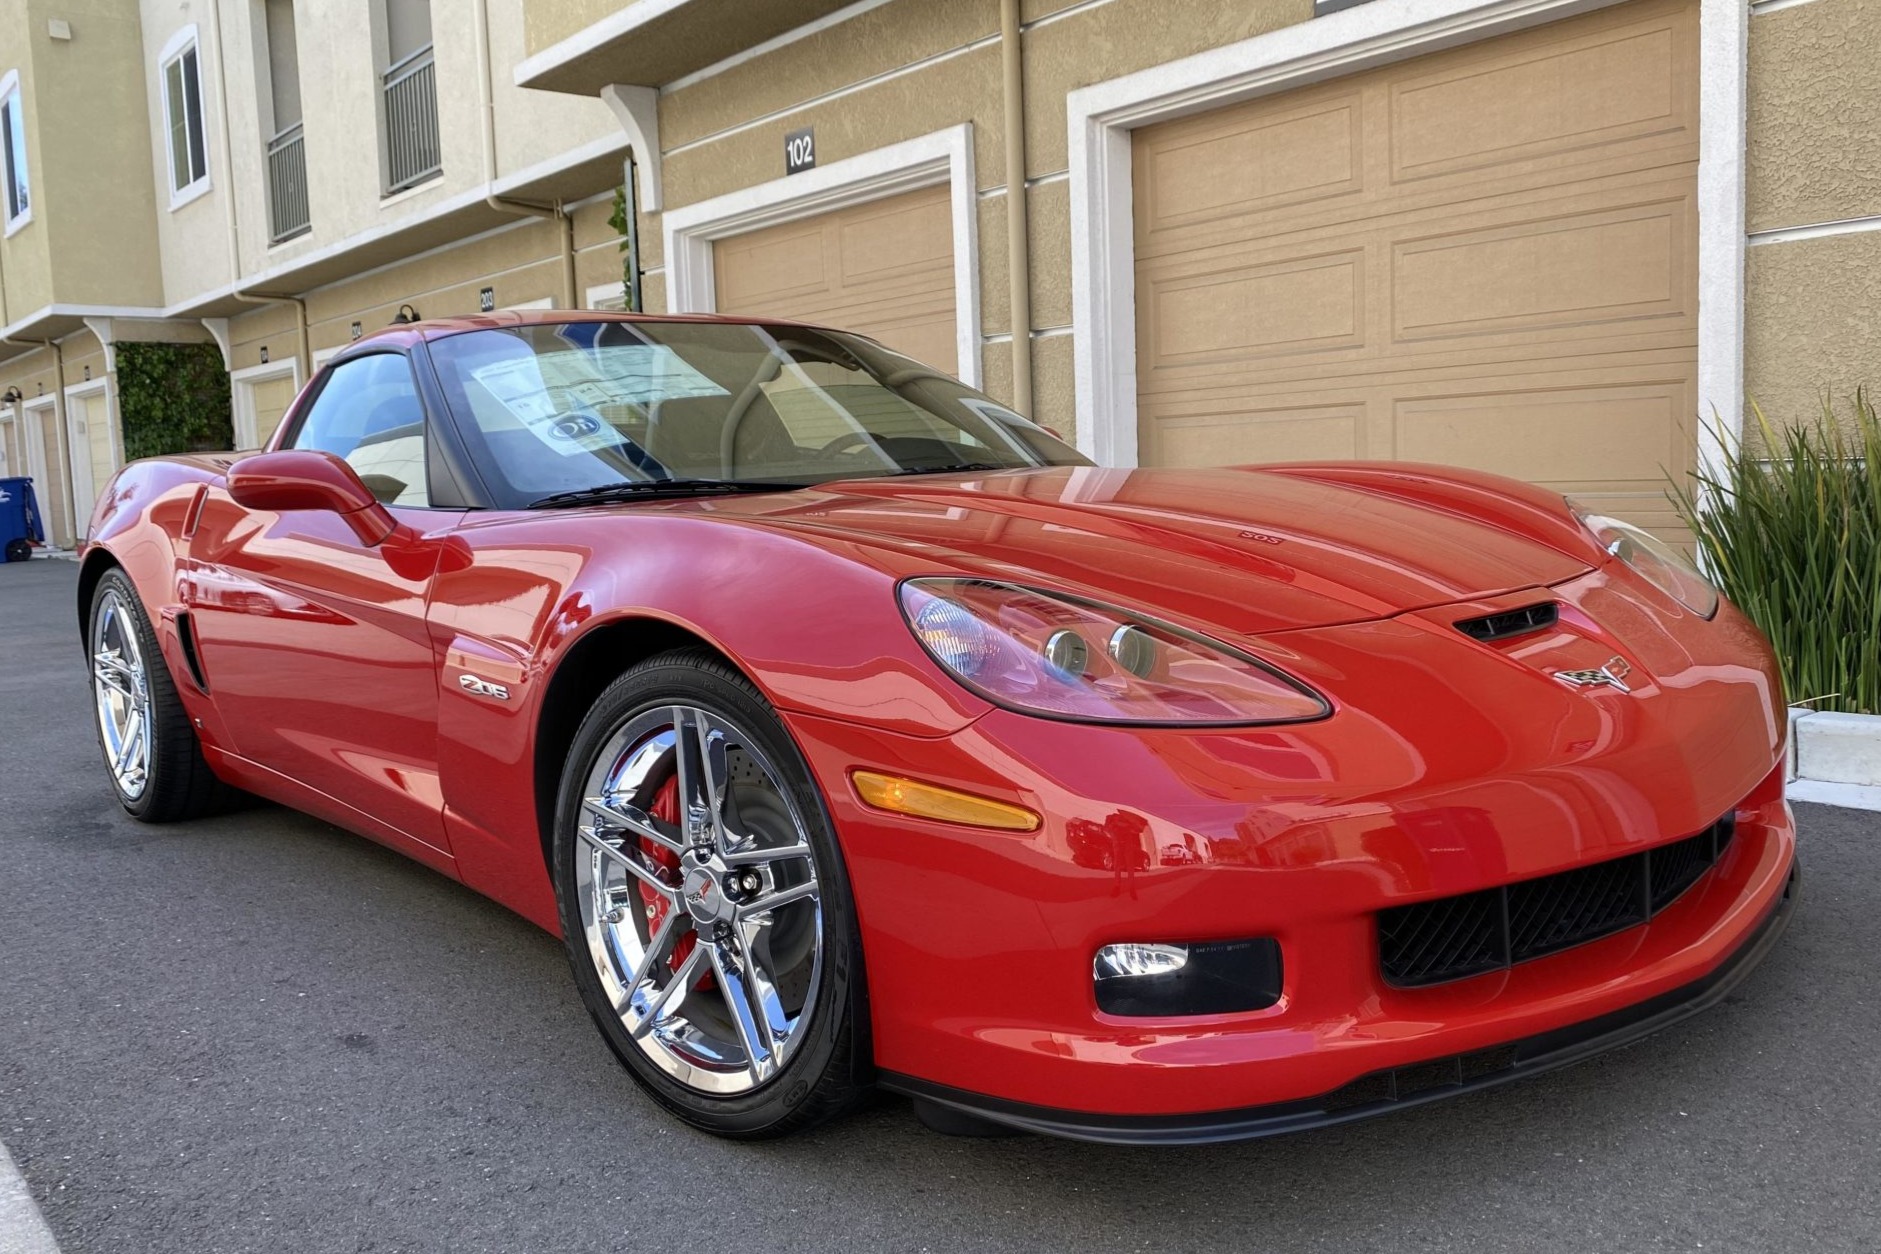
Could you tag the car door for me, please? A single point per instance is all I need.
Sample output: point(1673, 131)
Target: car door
point(313, 642)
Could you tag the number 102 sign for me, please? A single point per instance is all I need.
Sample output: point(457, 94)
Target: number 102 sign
point(800, 150)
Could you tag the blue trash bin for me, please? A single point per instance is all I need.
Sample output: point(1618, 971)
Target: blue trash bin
point(19, 519)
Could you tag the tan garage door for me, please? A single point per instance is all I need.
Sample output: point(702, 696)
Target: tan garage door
point(49, 486)
point(884, 268)
point(1485, 257)
point(270, 398)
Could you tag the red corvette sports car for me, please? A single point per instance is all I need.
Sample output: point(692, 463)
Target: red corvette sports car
point(854, 731)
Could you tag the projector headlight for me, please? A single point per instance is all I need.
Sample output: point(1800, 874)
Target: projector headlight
point(1064, 657)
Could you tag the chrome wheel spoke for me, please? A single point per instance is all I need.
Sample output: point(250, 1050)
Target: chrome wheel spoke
point(766, 853)
point(703, 774)
point(659, 949)
point(112, 671)
point(131, 742)
point(628, 858)
point(666, 1005)
point(625, 816)
point(772, 901)
point(751, 1000)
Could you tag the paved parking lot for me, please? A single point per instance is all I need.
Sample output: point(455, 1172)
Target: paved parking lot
point(260, 1033)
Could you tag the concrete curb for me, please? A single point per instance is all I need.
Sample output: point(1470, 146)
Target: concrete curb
point(1839, 748)
point(22, 1229)
point(1835, 758)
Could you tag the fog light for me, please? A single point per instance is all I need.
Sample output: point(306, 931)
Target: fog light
point(1144, 980)
point(1130, 961)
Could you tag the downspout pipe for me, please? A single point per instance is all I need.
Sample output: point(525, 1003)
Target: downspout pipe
point(486, 90)
point(302, 349)
point(631, 211)
point(1019, 250)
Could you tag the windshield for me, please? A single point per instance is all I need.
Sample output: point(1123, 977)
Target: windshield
point(556, 408)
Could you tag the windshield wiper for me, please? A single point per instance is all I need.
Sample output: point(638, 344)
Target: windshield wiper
point(954, 468)
point(640, 489)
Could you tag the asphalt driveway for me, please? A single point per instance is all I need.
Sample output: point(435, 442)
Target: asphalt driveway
point(261, 1033)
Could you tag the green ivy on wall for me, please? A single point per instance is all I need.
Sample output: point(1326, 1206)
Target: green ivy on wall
point(174, 398)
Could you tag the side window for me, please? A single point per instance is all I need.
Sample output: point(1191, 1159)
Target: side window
point(19, 201)
point(369, 416)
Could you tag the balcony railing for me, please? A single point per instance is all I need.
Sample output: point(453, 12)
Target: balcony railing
point(287, 185)
point(411, 122)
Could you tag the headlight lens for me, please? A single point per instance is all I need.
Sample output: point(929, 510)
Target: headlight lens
point(1064, 657)
point(1658, 563)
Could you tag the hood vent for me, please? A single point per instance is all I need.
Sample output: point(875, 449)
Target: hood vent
point(1510, 622)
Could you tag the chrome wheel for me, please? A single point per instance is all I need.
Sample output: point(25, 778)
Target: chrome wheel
point(699, 899)
point(121, 688)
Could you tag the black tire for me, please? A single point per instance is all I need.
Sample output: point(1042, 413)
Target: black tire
point(19, 550)
point(829, 1071)
point(179, 784)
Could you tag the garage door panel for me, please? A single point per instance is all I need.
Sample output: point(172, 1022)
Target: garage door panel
point(1303, 388)
point(779, 263)
point(1263, 162)
point(1625, 356)
point(1553, 274)
point(1579, 435)
point(1314, 303)
point(1438, 205)
point(1538, 96)
point(897, 243)
point(884, 268)
point(1510, 283)
point(1216, 439)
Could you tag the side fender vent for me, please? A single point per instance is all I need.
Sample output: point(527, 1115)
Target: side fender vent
point(1511, 622)
point(186, 637)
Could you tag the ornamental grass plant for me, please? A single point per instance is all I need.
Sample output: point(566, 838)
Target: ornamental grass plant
point(1791, 532)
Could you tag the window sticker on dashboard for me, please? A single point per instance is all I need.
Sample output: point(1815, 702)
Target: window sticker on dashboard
point(555, 394)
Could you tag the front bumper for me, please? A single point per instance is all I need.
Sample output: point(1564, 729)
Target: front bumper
point(1448, 767)
point(1398, 1088)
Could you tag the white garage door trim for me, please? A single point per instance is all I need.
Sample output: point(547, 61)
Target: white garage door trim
point(78, 449)
point(244, 382)
point(944, 156)
point(1101, 117)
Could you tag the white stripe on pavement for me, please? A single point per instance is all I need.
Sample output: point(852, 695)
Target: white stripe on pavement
point(22, 1229)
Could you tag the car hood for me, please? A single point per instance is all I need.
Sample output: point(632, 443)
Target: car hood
point(1243, 551)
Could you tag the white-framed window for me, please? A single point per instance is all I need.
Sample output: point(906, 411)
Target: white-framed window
point(18, 199)
point(184, 135)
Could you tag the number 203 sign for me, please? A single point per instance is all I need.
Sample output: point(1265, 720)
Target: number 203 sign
point(800, 150)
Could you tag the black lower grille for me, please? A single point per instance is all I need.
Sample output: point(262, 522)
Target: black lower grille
point(1454, 937)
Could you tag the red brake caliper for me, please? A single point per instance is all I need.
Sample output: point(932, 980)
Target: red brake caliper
point(665, 808)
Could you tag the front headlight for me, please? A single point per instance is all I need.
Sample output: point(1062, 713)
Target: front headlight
point(1658, 563)
point(1064, 657)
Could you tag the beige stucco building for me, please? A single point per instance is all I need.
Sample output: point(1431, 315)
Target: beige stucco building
point(1542, 237)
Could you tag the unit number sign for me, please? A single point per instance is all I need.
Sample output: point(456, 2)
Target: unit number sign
point(800, 150)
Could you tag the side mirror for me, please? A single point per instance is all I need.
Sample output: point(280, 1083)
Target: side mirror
point(308, 479)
